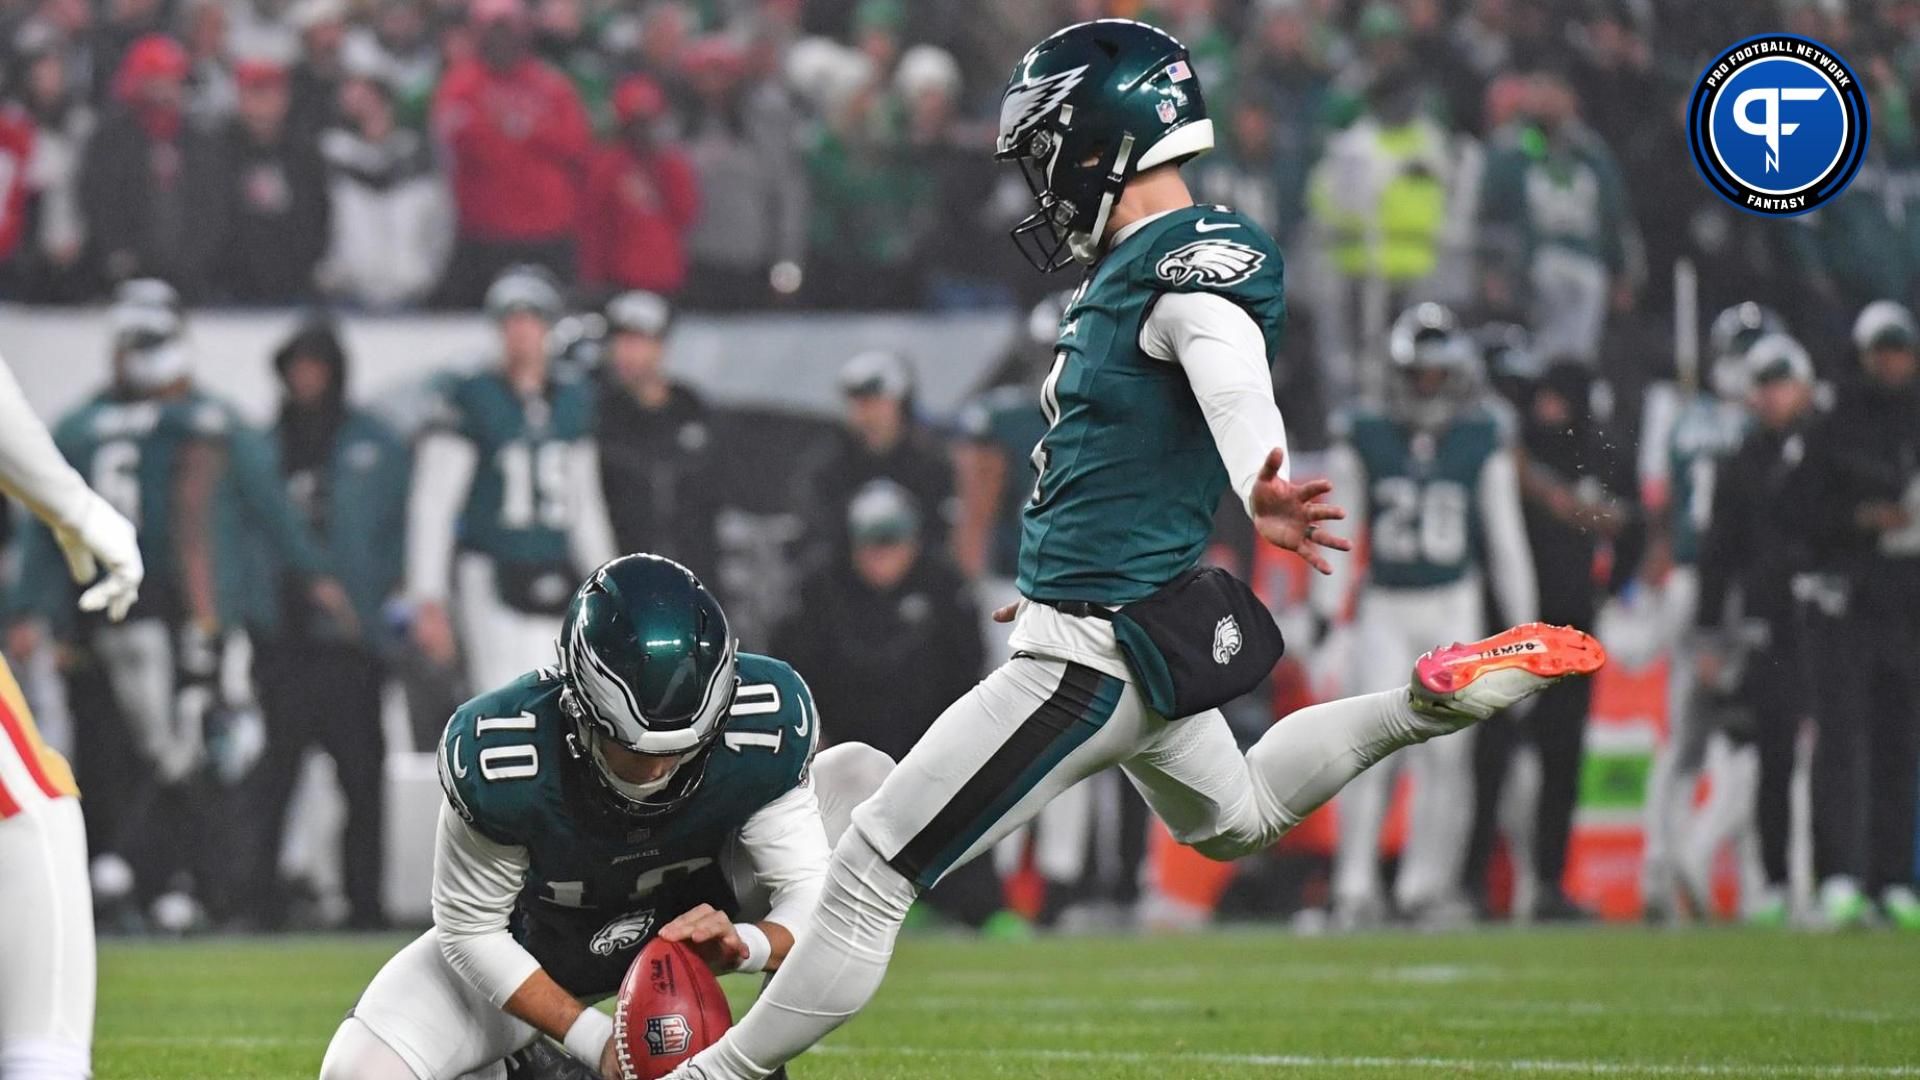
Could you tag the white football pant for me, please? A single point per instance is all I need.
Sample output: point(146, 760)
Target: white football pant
point(1395, 626)
point(46, 945)
point(500, 643)
point(1061, 710)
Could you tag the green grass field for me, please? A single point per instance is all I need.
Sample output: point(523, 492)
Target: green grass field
point(1596, 1003)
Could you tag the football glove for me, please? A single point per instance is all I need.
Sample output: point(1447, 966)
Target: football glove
point(99, 537)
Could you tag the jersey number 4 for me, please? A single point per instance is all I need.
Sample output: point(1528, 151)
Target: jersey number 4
point(1050, 408)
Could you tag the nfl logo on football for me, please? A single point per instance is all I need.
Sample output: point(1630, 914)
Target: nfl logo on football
point(670, 1034)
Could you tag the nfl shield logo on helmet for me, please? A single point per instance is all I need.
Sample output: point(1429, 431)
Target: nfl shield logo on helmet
point(1167, 111)
point(669, 1034)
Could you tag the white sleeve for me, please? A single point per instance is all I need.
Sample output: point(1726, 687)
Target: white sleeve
point(591, 534)
point(1225, 357)
point(786, 848)
point(1658, 418)
point(443, 470)
point(1329, 593)
point(475, 884)
point(31, 468)
point(1509, 558)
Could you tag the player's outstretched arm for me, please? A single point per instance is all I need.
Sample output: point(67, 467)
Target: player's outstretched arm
point(92, 535)
point(1225, 358)
point(475, 883)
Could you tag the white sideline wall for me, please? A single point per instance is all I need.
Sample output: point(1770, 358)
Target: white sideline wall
point(783, 362)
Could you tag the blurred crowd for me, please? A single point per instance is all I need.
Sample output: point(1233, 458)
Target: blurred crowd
point(377, 154)
point(1501, 260)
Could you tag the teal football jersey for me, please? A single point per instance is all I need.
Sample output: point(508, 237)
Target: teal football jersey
point(518, 507)
point(1423, 496)
point(600, 882)
point(1007, 419)
point(1705, 431)
point(1129, 477)
point(129, 451)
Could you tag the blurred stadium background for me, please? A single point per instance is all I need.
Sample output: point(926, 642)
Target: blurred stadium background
point(841, 417)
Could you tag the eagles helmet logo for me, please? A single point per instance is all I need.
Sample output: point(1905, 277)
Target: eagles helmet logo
point(625, 931)
point(1027, 105)
point(1216, 262)
point(1226, 640)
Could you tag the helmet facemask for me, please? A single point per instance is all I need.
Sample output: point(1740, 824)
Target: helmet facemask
point(1073, 198)
point(588, 742)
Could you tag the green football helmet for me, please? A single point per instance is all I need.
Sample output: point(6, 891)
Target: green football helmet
point(1435, 366)
point(1734, 330)
point(1087, 109)
point(647, 660)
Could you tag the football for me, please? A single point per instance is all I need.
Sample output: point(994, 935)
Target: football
point(670, 1008)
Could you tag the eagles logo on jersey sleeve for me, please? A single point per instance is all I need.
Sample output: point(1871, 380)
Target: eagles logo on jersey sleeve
point(1216, 262)
point(1213, 249)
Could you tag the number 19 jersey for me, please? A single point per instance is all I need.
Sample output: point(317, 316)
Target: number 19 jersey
point(518, 508)
point(1129, 476)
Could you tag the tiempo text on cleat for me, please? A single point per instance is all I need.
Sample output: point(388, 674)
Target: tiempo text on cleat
point(1463, 684)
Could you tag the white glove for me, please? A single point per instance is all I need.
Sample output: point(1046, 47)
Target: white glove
point(97, 536)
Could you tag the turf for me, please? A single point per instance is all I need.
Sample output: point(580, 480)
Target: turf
point(1234, 1004)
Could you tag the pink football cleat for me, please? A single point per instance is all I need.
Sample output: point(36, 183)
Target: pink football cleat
point(1463, 684)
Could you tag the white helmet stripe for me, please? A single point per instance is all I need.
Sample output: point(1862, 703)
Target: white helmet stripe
point(1030, 102)
point(607, 694)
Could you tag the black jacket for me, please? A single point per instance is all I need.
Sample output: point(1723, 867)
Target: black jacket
point(658, 469)
point(263, 216)
point(136, 192)
point(917, 462)
point(884, 665)
point(1586, 457)
point(1867, 451)
point(1756, 543)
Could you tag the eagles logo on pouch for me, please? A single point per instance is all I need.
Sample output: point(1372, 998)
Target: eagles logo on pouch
point(1778, 124)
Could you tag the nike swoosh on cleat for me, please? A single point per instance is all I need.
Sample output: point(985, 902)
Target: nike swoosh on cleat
point(1203, 225)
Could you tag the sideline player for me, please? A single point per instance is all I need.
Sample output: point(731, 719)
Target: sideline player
point(506, 511)
point(654, 783)
point(1436, 478)
point(1687, 433)
point(1159, 400)
point(46, 936)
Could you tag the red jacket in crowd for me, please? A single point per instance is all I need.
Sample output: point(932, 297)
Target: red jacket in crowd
point(518, 141)
point(634, 223)
point(16, 147)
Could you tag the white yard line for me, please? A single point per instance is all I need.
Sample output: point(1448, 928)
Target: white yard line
point(1424, 1064)
point(1001, 1003)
